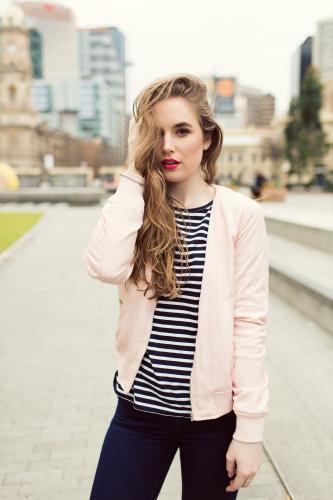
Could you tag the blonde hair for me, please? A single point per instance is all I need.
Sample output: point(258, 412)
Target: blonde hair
point(158, 234)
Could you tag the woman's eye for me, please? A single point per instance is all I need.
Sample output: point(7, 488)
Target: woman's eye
point(183, 131)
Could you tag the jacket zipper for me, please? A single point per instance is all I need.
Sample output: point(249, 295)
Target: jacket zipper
point(191, 413)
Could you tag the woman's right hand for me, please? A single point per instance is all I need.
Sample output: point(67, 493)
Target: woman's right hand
point(132, 138)
point(132, 143)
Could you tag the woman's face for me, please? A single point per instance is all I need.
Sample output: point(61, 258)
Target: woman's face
point(181, 138)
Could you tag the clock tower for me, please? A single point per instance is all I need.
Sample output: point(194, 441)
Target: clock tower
point(25, 138)
point(20, 125)
point(15, 71)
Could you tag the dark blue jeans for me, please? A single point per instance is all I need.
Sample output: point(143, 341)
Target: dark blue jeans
point(139, 448)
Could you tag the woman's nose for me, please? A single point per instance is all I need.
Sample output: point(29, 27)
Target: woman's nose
point(168, 144)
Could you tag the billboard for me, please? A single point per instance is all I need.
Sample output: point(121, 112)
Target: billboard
point(224, 89)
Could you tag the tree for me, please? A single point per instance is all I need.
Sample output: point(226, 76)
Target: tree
point(305, 140)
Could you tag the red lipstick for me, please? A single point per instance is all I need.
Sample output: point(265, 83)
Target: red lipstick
point(169, 163)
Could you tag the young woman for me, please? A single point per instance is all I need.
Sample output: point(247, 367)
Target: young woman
point(190, 258)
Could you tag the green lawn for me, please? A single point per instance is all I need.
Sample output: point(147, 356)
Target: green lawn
point(14, 224)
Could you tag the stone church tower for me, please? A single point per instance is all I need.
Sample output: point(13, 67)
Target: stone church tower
point(19, 122)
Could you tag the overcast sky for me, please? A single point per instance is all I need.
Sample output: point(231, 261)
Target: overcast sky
point(252, 40)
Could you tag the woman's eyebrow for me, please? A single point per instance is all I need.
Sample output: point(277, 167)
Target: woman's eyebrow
point(182, 124)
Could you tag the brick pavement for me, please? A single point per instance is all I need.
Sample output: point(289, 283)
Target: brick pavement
point(56, 368)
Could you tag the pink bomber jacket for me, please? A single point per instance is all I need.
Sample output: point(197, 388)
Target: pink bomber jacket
point(228, 369)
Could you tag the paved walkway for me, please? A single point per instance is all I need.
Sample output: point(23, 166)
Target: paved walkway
point(57, 365)
point(299, 429)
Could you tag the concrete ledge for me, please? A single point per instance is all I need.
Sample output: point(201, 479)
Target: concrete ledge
point(312, 300)
point(318, 237)
point(72, 196)
point(303, 277)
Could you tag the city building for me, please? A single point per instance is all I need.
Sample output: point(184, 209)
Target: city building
point(24, 138)
point(54, 56)
point(245, 151)
point(82, 108)
point(244, 114)
point(78, 76)
point(102, 54)
point(260, 107)
point(239, 106)
point(99, 115)
point(323, 49)
point(301, 60)
point(58, 102)
point(225, 100)
point(18, 118)
point(54, 44)
point(328, 96)
point(323, 60)
point(267, 110)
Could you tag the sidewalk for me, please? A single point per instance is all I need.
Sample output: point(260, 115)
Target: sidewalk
point(299, 427)
point(57, 367)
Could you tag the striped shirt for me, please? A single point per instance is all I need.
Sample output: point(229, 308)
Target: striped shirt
point(162, 383)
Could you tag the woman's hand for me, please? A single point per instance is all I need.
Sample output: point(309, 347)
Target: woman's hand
point(132, 138)
point(243, 460)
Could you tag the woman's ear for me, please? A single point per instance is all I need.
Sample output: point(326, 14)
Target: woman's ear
point(207, 142)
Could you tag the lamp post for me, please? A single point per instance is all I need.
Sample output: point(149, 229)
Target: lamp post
point(48, 164)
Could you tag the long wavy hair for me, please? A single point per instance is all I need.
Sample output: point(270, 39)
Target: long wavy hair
point(158, 235)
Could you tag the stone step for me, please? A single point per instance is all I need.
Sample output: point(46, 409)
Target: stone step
point(303, 276)
point(304, 218)
point(317, 234)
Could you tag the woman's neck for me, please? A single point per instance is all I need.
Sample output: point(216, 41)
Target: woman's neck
point(191, 197)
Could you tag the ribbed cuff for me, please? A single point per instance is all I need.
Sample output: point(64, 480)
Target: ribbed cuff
point(249, 429)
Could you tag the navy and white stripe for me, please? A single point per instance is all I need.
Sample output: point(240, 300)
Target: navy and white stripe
point(162, 383)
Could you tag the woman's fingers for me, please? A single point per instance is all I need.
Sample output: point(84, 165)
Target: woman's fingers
point(131, 138)
point(133, 132)
point(230, 466)
point(240, 481)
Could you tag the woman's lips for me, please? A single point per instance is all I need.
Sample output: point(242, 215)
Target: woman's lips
point(169, 166)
